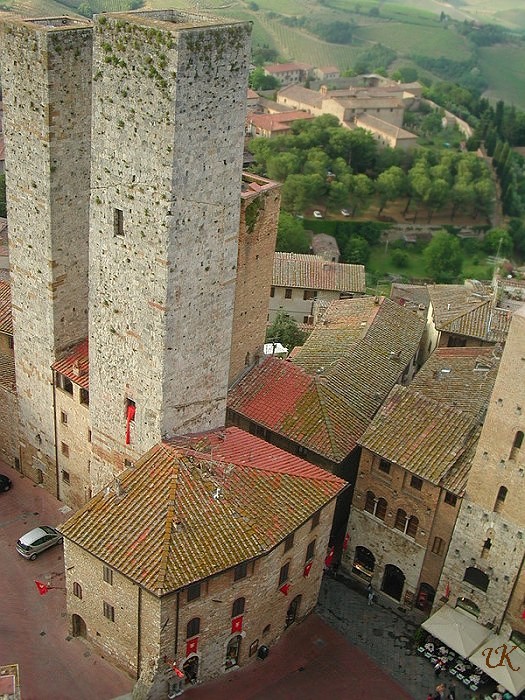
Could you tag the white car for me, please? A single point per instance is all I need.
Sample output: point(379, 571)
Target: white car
point(317, 214)
point(37, 540)
point(345, 212)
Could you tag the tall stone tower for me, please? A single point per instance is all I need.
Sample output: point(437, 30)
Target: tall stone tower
point(484, 564)
point(46, 80)
point(169, 100)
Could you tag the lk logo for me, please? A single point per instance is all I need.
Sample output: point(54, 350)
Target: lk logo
point(504, 656)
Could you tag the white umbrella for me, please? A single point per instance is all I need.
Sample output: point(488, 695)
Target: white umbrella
point(507, 671)
point(457, 629)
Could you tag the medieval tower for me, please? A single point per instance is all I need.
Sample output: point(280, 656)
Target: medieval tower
point(46, 80)
point(169, 101)
point(484, 566)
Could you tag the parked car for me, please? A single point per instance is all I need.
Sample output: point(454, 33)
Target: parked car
point(345, 212)
point(37, 540)
point(5, 483)
point(317, 214)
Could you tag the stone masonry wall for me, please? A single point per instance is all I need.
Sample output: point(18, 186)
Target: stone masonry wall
point(46, 69)
point(9, 447)
point(167, 155)
point(257, 235)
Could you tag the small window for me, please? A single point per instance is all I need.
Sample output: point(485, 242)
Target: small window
point(416, 483)
point(411, 527)
point(370, 502)
point(288, 293)
point(65, 477)
point(193, 592)
point(272, 292)
point(107, 575)
point(476, 578)
point(64, 383)
point(486, 548)
point(288, 543)
point(315, 520)
point(266, 630)
point(89, 436)
point(384, 466)
point(380, 508)
point(84, 397)
point(309, 294)
point(118, 222)
point(240, 571)
point(500, 498)
point(63, 417)
point(401, 519)
point(238, 607)
point(283, 574)
point(450, 498)
point(109, 611)
point(310, 552)
point(77, 590)
point(438, 545)
point(306, 320)
point(193, 627)
point(64, 449)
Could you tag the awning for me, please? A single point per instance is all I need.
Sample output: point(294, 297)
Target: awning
point(512, 680)
point(457, 629)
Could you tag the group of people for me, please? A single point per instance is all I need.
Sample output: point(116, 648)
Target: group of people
point(441, 693)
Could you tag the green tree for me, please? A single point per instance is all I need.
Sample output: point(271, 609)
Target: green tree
point(284, 330)
point(390, 185)
point(258, 80)
point(443, 257)
point(437, 195)
point(337, 195)
point(498, 241)
point(361, 191)
point(295, 194)
point(291, 236)
point(281, 165)
point(357, 251)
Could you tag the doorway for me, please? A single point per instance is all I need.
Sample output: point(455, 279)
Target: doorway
point(79, 626)
point(393, 581)
point(191, 669)
point(291, 613)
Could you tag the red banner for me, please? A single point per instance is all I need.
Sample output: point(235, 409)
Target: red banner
point(237, 624)
point(329, 558)
point(130, 416)
point(307, 568)
point(447, 591)
point(345, 543)
point(192, 645)
point(42, 587)
point(284, 589)
point(178, 672)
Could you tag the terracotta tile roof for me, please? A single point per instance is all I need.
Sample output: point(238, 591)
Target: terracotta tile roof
point(7, 373)
point(75, 364)
point(6, 317)
point(328, 411)
point(277, 68)
point(277, 122)
point(298, 93)
point(313, 272)
point(468, 311)
point(196, 506)
point(431, 428)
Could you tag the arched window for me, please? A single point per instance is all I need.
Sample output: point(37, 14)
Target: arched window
point(476, 578)
point(516, 445)
point(380, 510)
point(401, 519)
point(193, 627)
point(468, 605)
point(77, 590)
point(233, 651)
point(238, 607)
point(411, 526)
point(370, 502)
point(500, 498)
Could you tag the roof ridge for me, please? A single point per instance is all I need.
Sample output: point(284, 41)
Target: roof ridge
point(319, 386)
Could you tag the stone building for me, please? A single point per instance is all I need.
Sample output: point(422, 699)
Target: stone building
point(299, 280)
point(164, 226)
point(414, 465)
point(9, 448)
point(484, 569)
point(46, 80)
point(260, 203)
point(207, 548)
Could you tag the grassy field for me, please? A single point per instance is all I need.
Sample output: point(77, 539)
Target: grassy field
point(504, 66)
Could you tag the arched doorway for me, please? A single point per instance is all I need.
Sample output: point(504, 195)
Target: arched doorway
point(425, 597)
point(191, 669)
point(291, 613)
point(393, 581)
point(233, 651)
point(78, 626)
point(364, 563)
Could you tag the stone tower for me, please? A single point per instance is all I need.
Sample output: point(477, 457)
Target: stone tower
point(484, 564)
point(169, 100)
point(46, 80)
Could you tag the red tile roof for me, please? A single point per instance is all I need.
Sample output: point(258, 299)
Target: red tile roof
point(314, 272)
point(6, 318)
point(197, 506)
point(75, 364)
point(7, 373)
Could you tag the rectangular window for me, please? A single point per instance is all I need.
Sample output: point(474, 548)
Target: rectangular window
point(63, 418)
point(309, 294)
point(288, 543)
point(89, 435)
point(64, 383)
point(288, 293)
point(65, 477)
point(272, 292)
point(315, 519)
point(384, 466)
point(118, 222)
point(77, 590)
point(240, 571)
point(450, 498)
point(283, 574)
point(109, 611)
point(438, 545)
point(310, 552)
point(107, 574)
point(84, 397)
point(64, 449)
point(416, 483)
point(193, 592)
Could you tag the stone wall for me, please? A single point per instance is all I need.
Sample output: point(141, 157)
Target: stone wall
point(164, 225)
point(9, 446)
point(46, 79)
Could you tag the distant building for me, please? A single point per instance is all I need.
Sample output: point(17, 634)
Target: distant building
point(269, 125)
point(326, 73)
point(287, 73)
point(326, 247)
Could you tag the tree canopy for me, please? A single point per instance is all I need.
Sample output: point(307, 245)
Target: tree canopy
point(284, 330)
point(443, 257)
point(291, 236)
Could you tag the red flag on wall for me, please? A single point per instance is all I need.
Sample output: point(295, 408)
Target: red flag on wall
point(192, 645)
point(285, 588)
point(307, 568)
point(329, 558)
point(447, 591)
point(42, 587)
point(345, 542)
point(523, 615)
point(130, 416)
point(237, 624)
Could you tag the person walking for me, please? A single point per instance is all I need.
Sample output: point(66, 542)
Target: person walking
point(370, 594)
